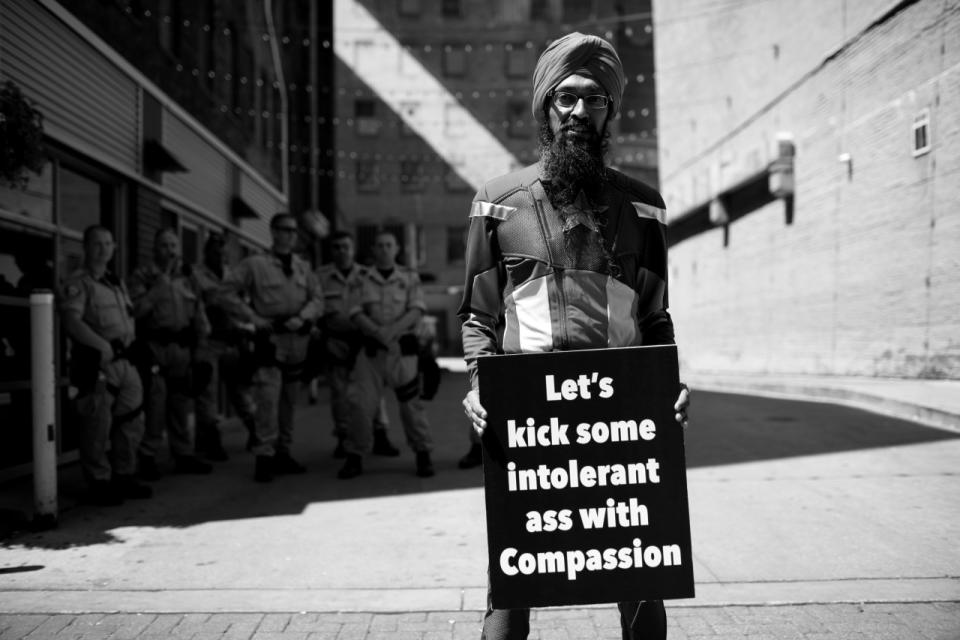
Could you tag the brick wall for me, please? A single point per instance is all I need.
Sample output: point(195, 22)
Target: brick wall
point(864, 281)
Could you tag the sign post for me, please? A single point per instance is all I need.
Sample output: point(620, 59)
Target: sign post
point(585, 480)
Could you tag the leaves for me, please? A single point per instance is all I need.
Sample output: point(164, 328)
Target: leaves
point(21, 137)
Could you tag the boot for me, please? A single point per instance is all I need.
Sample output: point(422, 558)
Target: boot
point(128, 487)
point(263, 471)
point(424, 464)
point(103, 493)
point(351, 468)
point(339, 453)
point(474, 457)
point(190, 464)
point(148, 469)
point(210, 445)
point(382, 446)
point(283, 464)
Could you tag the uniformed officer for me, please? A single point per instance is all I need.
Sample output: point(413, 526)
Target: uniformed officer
point(285, 302)
point(97, 316)
point(219, 352)
point(342, 284)
point(171, 320)
point(390, 306)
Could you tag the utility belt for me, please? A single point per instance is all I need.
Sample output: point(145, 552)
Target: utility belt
point(186, 337)
point(408, 343)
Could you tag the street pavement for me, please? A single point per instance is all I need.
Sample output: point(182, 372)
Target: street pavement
point(809, 520)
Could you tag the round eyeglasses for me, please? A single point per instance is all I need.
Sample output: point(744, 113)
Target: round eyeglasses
point(567, 100)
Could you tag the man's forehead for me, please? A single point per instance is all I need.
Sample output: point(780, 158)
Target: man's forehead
point(580, 81)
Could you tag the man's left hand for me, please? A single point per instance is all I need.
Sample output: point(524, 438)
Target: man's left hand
point(293, 323)
point(680, 406)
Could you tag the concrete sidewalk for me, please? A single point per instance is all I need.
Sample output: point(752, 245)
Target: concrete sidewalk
point(831, 541)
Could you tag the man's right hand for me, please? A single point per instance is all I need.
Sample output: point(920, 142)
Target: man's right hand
point(106, 355)
point(261, 323)
point(475, 411)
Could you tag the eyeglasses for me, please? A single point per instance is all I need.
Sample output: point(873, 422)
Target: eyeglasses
point(567, 100)
point(285, 229)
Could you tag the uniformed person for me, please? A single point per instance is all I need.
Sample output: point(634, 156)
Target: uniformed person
point(219, 352)
point(391, 304)
point(97, 316)
point(285, 302)
point(342, 284)
point(171, 320)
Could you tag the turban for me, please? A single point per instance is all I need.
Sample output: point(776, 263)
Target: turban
point(578, 53)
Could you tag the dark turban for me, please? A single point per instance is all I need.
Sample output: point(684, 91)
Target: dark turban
point(578, 53)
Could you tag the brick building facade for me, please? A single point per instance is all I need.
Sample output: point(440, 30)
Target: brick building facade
point(809, 161)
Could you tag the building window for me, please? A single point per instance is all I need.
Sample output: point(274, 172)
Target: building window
point(412, 177)
point(409, 8)
point(456, 244)
point(921, 133)
point(520, 61)
point(450, 8)
point(454, 60)
point(365, 117)
point(367, 175)
point(517, 119)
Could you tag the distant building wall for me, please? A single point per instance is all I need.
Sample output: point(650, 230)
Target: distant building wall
point(858, 273)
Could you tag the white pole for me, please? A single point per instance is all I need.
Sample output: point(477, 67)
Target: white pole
point(44, 386)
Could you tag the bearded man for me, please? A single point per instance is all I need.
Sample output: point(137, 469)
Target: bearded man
point(567, 254)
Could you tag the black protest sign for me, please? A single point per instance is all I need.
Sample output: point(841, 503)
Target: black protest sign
point(585, 479)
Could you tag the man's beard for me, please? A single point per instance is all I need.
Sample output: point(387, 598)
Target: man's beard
point(571, 160)
point(571, 165)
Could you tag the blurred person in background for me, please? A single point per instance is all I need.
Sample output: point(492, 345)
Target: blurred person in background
point(97, 315)
point(342, 284)
point(220, 353)
point(172, 322)
point(568, 223)
point(284, 303)
point(387, 313)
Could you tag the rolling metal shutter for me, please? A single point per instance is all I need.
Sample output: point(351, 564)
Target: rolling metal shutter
point(207, 183)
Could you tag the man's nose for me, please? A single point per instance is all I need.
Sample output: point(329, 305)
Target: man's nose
point(580, 109)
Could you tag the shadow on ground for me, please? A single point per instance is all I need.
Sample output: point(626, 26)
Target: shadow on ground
point(725, 429)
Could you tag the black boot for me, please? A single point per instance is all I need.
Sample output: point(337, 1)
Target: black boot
point(104, 493)
point(128, 487)
point(190, 464)
point(351, 468)
point(283, 463)
point(474, 457)
point(263, 472)
point(382, 446)
point(424, 464)
point(210, 444)
point(339, 453)
point(147, 468)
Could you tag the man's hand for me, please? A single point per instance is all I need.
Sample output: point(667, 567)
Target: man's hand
point(106, 355)
point(683, 401)
point(293, 323)
point(475, 411)
point(261, 323)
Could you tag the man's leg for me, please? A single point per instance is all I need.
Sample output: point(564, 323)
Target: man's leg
point(127, 430)
point(283, 462)
point(267, 382)
point(413, 413)
point(369, 380)
point(645, 620)
point(505, 624)
point(155, 419)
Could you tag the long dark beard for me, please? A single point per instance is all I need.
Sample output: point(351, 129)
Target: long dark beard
point(571, 164)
